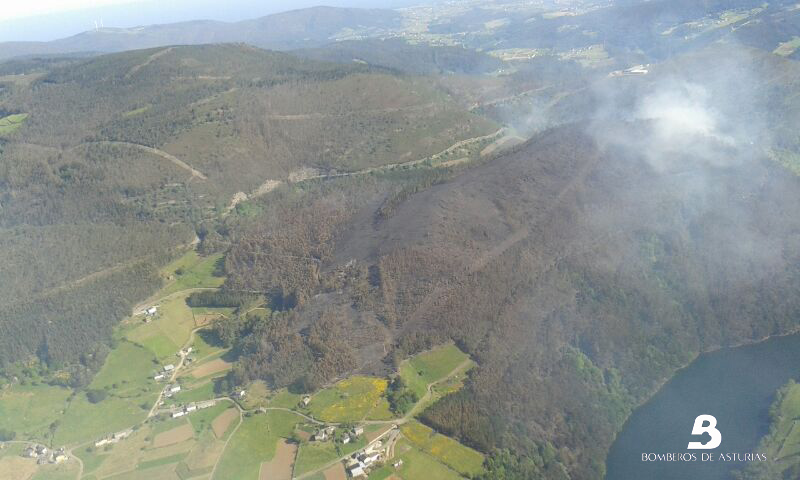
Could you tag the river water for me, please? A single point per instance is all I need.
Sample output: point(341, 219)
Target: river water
point(736, 385)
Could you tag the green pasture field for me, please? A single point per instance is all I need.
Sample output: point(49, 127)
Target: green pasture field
point(168, 331)
point(432, 366)
point(197, 272)
point(283, 398)
point(126, 376)
point(204, 391)
point(201, 419)
point(459, 457)
point(312, 456)
point(11, 123)
point(254, 442)
point(416, 464)
point(349, 400)
point(29, 410)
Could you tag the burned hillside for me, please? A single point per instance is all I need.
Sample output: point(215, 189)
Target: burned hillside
point(579, 275)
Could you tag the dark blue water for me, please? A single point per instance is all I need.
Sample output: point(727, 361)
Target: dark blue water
point(735, 385)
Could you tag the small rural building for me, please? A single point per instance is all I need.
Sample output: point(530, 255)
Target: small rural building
point(151, 311)
point(30, 452)
point(178, 414)
point(398, 463)
point(206, 403)
point(60, 458)
point(306, 400)
point(174, 388)
point(101, 442)
point(370, 459)
point(320, 436)
point(159, 377)
point(346, 439)
point(358, 431)
point(191, 408)
point(122, 434)
point(169, 368)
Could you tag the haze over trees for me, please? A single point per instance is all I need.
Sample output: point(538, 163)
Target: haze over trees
point(364, 191)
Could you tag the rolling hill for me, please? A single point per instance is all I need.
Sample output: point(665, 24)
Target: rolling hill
point(580, 270)
point(159, 141)
point(282, 31)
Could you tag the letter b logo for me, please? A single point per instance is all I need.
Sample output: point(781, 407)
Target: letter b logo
point(700, 428)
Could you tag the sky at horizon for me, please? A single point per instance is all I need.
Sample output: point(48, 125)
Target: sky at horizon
point(32, 8)
point(43, 20)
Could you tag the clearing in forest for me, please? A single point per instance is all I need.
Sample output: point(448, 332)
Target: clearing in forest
point(431, 366)
point(11, 123)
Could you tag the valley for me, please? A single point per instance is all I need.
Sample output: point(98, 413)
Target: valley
point(480, 240)
point(197, 432)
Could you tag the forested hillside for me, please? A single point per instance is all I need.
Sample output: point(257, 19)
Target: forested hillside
point(574, 296)
point(580, 230)
point(112, 163)
point(580, 271)
point(397, 54)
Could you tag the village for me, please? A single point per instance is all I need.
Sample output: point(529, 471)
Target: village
point(343, 430)
point(377, 452)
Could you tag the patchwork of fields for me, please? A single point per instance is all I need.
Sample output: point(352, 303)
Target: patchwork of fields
point(222, 441)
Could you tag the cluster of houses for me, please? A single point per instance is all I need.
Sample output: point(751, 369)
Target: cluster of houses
point(170, 390)
point(114, 437)
point(44, 455)
point(326, 433)
point(352, 435)
point(359, 462)
point(191, 407)
point(166, 370)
